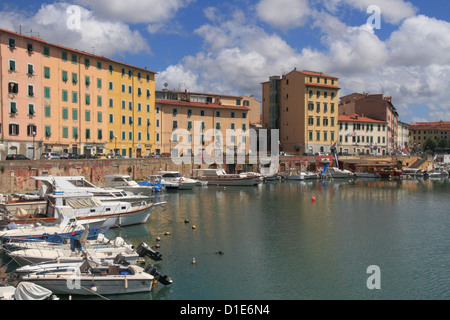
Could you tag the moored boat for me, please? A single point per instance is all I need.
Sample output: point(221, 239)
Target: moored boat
point(221, 178)
point(124, 182)
point(176, 178)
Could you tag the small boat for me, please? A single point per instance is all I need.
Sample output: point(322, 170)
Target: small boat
point(335, 172)
point(367, 175)
point(73, 251)
point(64, 226)
point(437, 173)
point(79, 184)
point(124, 182)
point(26, 291)
point(92, 278)
point(273, 177)
point(221, 178)
point(157, 179)
point(176, 178)
point(300, 175)
point(88, 209)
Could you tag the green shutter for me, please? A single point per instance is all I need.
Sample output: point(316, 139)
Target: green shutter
point(75, 133)
point(47, 111)
point(48, 131)
point(99, 101)
point(47, 73)
point(88, 115)
point(99, 116)
point(64, 76)
point(88, 99)
point(74, 97)
point(74, 78)
point(13, 107)
point(12, 65)
point(75, 114)
point(64, 95)
point(65, 133)
point(65, 113)
point(46, 92)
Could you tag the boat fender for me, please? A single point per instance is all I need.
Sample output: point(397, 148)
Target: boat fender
point(99, 177)
point(126, 283)
point(143, 203)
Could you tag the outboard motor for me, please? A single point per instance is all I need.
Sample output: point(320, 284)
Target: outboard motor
point(144, 250)
point(163, 279)
point(120, 259)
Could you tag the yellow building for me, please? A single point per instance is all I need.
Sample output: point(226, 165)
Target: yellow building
point(202, 111)
point(130, 109)
point(303, 106)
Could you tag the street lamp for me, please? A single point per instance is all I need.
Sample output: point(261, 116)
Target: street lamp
point(34, 135)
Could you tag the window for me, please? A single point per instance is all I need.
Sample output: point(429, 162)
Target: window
point(189, 125)
point(75, 132)
point(189, 113)
point(99, 83)
point(174, 112)
point(110, 68)
point(202, 113)
point(65, 132)
point(99, 65)
point(111, 135)
point(31, 111)
point(87, 80)
point(310, 135)
point(47, 72)
point(99, 134)
point(65, 113)
point(311, 106)
point(218, 125)
point(111, 102)
point(87, 62)
point(74, 58)
point(46, 51)
point(12, 65)
point(317, 106)
point(12, 43)
point(124, 119)
point(13, 129)
point(244, 127)
point(13, 87)
point(64, 76)
point(75, 114)
point(30, 90)
point(47, 111)
point(88, 99)
point(244, 115)
point(218, 114)
point(64, 56)
point(310, 121)
point(130, 120)
point(174, 124)
point(74, 97)
point(318, 135)
point(31, 130)
point(110, 85)
point(232, 114)
point(48, 131)
point(74, 78)
point(87, 115)
point(111, 118)
point(99, 101)
point(139, 121)
point(64, 96)
point(30, 69)
point(12, 107)
point(317, 121)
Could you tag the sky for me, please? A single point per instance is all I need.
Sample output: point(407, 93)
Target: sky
point(395, 47)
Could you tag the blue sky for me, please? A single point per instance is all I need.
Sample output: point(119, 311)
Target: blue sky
point(232, 46)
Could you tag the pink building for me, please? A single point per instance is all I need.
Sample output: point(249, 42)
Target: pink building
point(21, 94)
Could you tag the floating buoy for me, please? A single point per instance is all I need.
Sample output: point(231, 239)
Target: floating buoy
point(313, 199)
point(219, 252)
point(167, 233)
point(186, 221)
point(156, 245)
point(158, 238)
point(193, 227)
point(193, 261)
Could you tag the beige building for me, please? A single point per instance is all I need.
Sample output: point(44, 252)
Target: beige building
point(420, 131)
point(362, 135)
point(180, 112)
point(303, 105)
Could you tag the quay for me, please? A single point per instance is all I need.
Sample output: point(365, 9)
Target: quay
point(15, 175)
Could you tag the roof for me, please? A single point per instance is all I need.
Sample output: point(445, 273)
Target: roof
point(73, 50)
point(200, 104)
point(322, 85)
point(441, 125)
point(357, 118)
point(316, 74)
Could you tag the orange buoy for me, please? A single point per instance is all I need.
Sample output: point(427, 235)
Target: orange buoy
point(313, 199)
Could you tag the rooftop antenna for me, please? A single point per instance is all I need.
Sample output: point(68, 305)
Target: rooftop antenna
point(31, 33)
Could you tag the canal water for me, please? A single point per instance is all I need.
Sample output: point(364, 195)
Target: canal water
point(273, 242)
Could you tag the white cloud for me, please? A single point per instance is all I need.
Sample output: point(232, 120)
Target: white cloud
point(136, 11)
point(96, 35)
point(392, 11)
point(283, 14)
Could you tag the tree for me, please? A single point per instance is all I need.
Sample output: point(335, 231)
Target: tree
point(442, 143)
point(429, 144)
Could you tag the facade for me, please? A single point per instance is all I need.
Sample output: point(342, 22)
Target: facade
point(130, 110)
point(362, 135)
point(57, 99)
point(420, 131)
point(74, 97)
point(21, 94)
point(373, 106)
point(200, 112)
point(402, 136)
point(303, 105)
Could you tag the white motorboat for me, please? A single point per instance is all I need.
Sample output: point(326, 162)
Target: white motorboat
point(437, 173)
point(367, 175)
point(221, 178)
point(79, 184)
point(92, 278)
point(124, 182)
point(157, 179)
point(334, 172)
point(64, 225)
point(176, 177)
point(301, 175)
point(88, 209)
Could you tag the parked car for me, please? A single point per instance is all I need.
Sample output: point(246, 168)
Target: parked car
point(99, 156)
point(86, 156)
point(69, 156)
point(50, 155)
point(16, 157)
